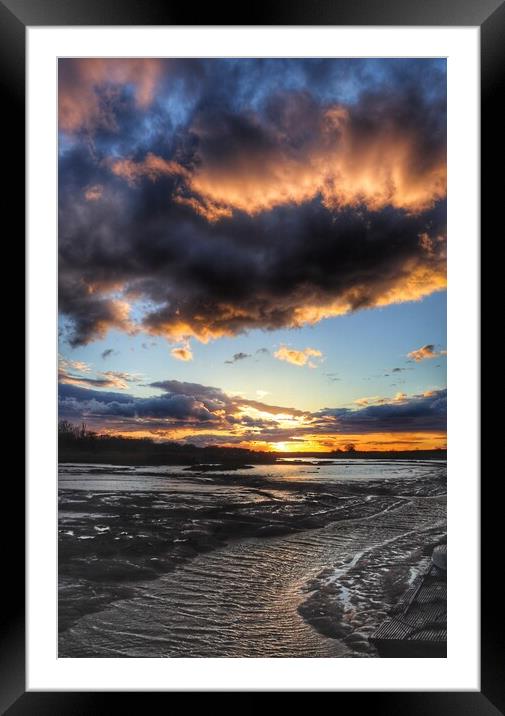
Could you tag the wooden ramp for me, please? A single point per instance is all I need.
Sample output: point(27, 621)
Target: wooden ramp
point(417, 626)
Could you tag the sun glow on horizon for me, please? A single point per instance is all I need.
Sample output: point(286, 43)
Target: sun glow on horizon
point(324, 443)
point(252, 254)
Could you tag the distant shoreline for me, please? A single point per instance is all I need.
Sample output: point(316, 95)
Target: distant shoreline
point(208, 456)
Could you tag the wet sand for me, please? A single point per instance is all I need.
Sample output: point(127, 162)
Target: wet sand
point(241, 566)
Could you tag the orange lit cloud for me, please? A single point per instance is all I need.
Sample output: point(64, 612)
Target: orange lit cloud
point(66, 364)
point(368, 401)
point(151, 167)
point(297, 357)
point(369, 442)
point(93, 193)
point(95, 308)
point(412, 283)
point(342, 160)
point(119, 317)
point(342, 165)
point(206, 415)
point(210, 210)
point(83, 106)
point(268, 216)
point(380, 442)
point(425, 353)
point(183, 353)
point(72, 372)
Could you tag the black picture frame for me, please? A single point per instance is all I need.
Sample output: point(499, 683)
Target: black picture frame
point(489, 15)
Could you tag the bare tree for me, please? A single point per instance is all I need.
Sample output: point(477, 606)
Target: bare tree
point(350, 447)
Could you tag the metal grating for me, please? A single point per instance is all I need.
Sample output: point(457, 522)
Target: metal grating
point(419, 618)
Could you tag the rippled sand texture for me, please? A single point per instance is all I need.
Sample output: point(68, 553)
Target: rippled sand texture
point(242, 566)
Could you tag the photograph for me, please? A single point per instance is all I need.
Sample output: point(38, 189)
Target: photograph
point(252, 354)
point(252, 251)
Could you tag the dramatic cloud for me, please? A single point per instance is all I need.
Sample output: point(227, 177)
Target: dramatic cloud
point(297, 357)
point(196, 199)
point(190, 410)
point(104, 405)
point(90, 89)
point(296, 150)
point(217, 399)
point(92, 307)
point(425, 352)
point(419, 413)
point(183, 410)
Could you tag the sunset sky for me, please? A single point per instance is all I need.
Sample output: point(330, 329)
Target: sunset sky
point(253, 252)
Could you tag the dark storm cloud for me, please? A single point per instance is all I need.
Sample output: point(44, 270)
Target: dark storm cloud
point(221, 279)
point(82, 395)
point(75, 401)
point(114, 96)
point(217, 399)
point(232, 220)
point(196, 406)
point(181, 404)
point(419, 413)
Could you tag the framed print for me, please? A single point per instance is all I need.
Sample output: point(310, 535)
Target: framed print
point(253, 250)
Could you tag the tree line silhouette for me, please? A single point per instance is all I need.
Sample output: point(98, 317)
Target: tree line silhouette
point(77, 443)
